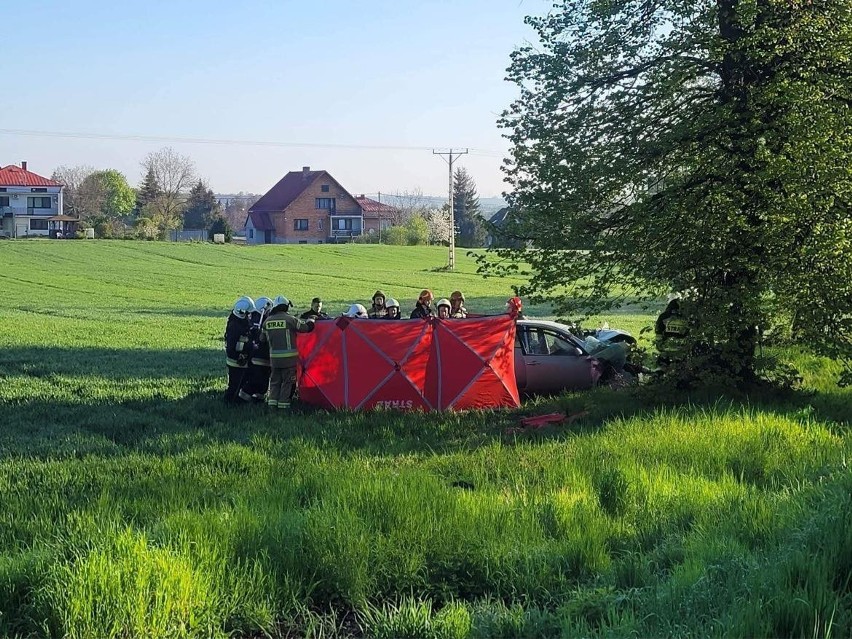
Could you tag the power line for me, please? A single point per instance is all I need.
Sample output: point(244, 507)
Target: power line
point(222, 142)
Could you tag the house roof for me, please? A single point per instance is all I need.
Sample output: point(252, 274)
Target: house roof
point(260, 220)
point(370, 206)
point(280, 196)
point(13, 175)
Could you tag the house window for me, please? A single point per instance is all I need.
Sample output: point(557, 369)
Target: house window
point(251, 234)
point(38, 225)
point(300, 225)
point(326, 203)
point(319, 224)
point(38, 190)
point(38, 202)
point(4, 200)
point(343, 224)
point(3, 189)
point(324, 188)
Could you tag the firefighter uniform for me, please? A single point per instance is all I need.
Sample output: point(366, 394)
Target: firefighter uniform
point(280, 330)
point(237, 354)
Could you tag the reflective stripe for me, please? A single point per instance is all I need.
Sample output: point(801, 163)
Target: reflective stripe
point(259, 362)
point(234, 363)
point(281, 354)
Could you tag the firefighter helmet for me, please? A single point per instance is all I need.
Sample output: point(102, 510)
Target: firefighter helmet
point(243, 307)
point(443, 302)
point(263, 304)
point(282, 301)
point(391, 303)
point(356, 310)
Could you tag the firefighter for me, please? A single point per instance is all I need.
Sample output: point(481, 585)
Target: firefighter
point(356, 311)
point(670, 332)
point(280, 330)
point(393, 309)
point(423, 308)
point(457, 309)
point(238, 347)
point(259, 369)
point(315, 311)
point(378, 309)
point(444, 307)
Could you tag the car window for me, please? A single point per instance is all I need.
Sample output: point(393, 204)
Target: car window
point(542, 341)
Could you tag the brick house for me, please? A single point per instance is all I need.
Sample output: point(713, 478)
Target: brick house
point(376, 214)
point(308, 207)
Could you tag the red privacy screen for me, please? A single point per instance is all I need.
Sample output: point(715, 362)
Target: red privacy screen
point(409, 365)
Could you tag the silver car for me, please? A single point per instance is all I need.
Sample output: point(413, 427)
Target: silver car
point(549, 359)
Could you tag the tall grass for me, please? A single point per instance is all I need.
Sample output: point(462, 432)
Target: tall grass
point(134, 504)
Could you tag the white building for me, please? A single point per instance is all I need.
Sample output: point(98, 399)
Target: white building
point(31, 205)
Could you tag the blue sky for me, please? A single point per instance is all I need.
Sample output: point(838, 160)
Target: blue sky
point(371, 72)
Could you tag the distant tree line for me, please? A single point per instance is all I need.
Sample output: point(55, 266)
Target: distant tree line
point(170, 197)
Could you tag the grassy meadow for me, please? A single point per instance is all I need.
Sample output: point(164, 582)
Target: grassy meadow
point(133, 503)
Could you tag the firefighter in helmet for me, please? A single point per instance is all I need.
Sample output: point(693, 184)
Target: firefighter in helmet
point(444, 307)
point(356, 311)
point(670, 332)
point(423, 309)
point(280, 331)
point(378, 310)
point(393, 309)
point(457, 309)
point(259, 369)
point(238, 347)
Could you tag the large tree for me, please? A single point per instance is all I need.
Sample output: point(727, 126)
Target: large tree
point(148, 191)
point(107, 194)
point(202, 208)
point(174, 174)
point(72, 177)
point(702, 147)
point(466, 209)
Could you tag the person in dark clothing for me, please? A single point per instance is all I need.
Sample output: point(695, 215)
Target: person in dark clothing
point(670, 332)
point(315, 311)
point(238, 347)
point(423, 309)
point(378, 309)
point(393, 309)
point(280, 331)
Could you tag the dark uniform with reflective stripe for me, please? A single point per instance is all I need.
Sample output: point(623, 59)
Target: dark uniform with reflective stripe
point(280, 330)
point(237, 354)
point(259, 367)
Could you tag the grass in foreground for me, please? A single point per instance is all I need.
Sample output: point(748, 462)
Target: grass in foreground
point(133, 504)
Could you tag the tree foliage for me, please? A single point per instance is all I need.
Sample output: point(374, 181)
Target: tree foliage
point(466, 209)
point(148, 191)
point(702, 147)
point(73, 177)
point(174, 175)
point(202, 208)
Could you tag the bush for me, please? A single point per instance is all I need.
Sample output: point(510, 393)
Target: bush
point(220, 225)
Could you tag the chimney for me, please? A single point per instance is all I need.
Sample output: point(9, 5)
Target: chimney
point(306, 170)
point(24, 165)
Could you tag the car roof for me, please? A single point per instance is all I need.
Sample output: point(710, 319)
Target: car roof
point(562, 328)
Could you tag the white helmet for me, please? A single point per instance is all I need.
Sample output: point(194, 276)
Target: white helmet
point(443, 302)
point(282, 300)
point(356, 310)
point(391, 303)
point(263, 304)
point(243, 307)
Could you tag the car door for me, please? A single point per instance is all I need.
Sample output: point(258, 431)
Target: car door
point(553, 363)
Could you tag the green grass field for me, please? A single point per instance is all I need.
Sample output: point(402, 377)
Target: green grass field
point(134, 504)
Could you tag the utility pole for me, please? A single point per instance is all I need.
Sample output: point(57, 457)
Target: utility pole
point(380, 218)
point(449, 160)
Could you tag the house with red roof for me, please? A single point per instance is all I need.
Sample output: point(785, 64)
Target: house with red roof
point(31, 205)
point(310, 207)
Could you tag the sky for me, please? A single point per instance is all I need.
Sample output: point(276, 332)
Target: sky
point(368, 73)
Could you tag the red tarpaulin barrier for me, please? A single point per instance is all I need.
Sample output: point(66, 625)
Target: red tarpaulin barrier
point(409, 365)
